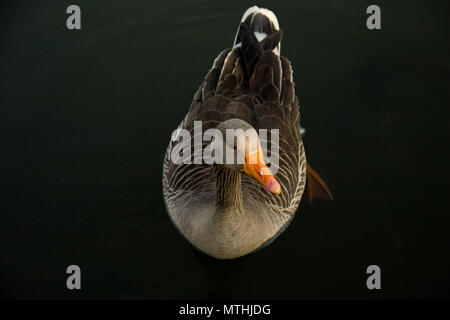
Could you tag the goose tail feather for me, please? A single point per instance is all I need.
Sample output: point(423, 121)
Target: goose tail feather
point(263, 23)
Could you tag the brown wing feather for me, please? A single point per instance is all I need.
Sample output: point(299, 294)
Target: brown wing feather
point(267, 101)
point(316, 187)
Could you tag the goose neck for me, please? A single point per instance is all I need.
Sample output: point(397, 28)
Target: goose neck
point(228, 189)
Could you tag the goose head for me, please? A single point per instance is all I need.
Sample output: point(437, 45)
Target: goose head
point(240, 150)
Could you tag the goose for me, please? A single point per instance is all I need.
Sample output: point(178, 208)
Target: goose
point(228, 209)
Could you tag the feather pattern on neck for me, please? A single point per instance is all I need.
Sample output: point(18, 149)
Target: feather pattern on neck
point(228, 189)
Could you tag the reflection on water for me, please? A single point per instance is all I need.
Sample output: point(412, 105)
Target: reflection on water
point(88, 115)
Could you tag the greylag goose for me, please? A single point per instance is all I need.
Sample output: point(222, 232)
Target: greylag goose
point(228, 209)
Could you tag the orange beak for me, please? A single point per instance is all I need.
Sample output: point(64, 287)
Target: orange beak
point(256, 167)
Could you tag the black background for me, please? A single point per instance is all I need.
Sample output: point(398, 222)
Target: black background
point(86, 116)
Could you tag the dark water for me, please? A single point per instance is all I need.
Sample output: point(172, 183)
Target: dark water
point(86, 117)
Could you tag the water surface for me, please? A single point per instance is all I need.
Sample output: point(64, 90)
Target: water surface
point(86, 117)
